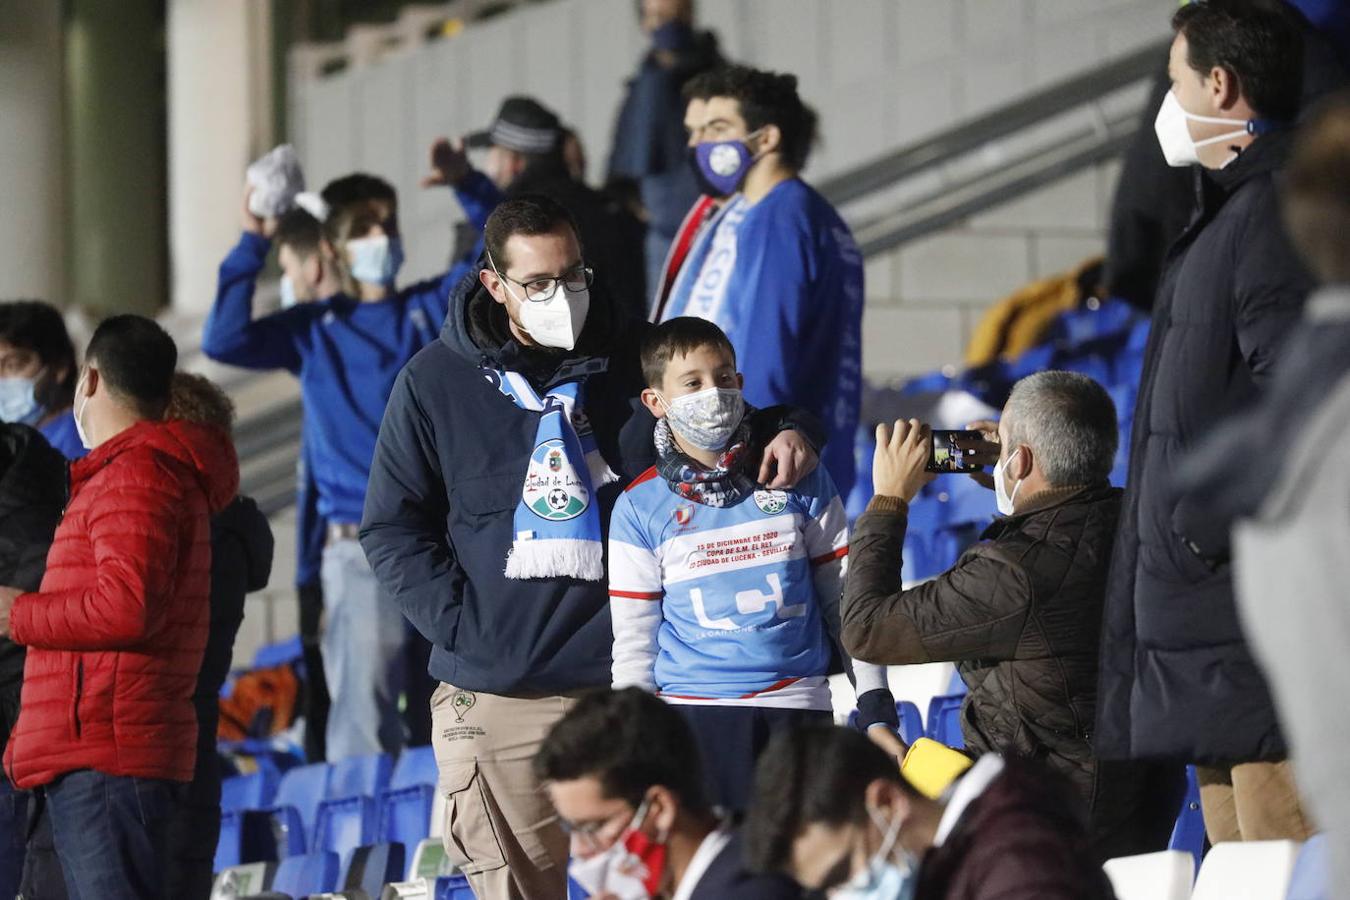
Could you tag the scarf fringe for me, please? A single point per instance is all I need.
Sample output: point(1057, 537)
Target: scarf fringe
point(556, 557)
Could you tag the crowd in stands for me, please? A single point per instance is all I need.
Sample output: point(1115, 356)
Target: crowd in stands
point(584, 530)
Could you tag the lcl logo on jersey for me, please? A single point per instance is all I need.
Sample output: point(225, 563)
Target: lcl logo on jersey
point(683, 514)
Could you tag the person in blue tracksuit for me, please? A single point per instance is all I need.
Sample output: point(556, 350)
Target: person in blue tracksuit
point(777, 268)
point(38, 373)
point(347, 344)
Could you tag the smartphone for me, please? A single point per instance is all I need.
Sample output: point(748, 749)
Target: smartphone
point(946, 454)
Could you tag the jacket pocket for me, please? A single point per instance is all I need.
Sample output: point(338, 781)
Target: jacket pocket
point(75, 702)
point(489, 494)
point(470, 834)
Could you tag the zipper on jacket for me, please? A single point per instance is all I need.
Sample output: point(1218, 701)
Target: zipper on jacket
point(79, 692)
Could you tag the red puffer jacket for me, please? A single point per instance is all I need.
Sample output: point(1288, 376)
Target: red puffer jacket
point(116, 633)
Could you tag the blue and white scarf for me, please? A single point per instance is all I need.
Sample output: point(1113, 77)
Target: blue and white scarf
point(557, 522)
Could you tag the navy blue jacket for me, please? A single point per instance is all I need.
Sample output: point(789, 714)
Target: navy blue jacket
point(447, 477)
point(1177, 679)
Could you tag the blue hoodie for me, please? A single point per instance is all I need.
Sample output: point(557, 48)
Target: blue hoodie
point(346, 354)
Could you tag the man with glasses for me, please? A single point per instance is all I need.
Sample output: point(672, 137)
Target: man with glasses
point(623, 770)
point(501, 454)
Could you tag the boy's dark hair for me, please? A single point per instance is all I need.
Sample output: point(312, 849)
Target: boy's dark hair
point(358, 187)
point(527, 214)
point(300, 231)
point(765, 98)
point(196, 398)
point(676, 337)
point(629, 741)
point(808, 775)
point(137, 359)
point(38, 327)
point(1260, 43)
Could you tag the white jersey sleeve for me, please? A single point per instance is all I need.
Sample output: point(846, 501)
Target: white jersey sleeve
point(635, 595)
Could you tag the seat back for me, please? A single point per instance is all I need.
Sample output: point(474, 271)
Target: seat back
point(1246, 870)
point(304, 788)
point(246, 836)
point(944, 720)
point(454, 887)
point(345, 824)
point(355, 776)
point(370, 868)
point(252, 791)
point(911, 721)
point(416, 765)
point(1153, 876)
point(1311, 880)
point(405, 815)
point(312, 873)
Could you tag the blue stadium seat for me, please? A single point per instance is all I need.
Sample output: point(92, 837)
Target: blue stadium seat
point(949, 543)
point(296, 807)
point(246, 836)
point(416, 765)
point(911, 721)
point(1124, 397)
point(1095, 366)
point(918, 559)
point(964, 500)
point(944, 720)
point(1091, 322)
point(370, 868)
point(252, 791)
point(313, 873)
point(1189, 832)
point(957, 686)
point(1311, 880)
point(405, 814)
point(576, 891)
point(864, 444)
point(345, 824)
point(453, 887)
point(1036, 359)
point(366, 776)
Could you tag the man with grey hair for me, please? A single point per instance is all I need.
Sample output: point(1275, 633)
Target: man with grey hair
point(1020, 612)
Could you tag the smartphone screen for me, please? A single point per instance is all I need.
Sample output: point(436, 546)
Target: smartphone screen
point(947, 455)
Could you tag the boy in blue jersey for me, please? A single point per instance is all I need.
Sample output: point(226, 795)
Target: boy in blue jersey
point(345, 331)
point(725, 597)
point(776, 268)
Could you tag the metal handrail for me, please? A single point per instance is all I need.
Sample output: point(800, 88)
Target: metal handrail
point(885, 171)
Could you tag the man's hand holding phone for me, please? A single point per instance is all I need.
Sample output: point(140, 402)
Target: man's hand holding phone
point(983, 452)
point(900, 462)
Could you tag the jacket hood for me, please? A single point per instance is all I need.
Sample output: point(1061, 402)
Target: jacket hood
point(242, 519)
point(477, 329)
point(31, 470)
point(207, 450)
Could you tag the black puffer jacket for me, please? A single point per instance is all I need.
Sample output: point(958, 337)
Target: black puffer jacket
point(33, 486)
point(1177, 679)
point(1020, 615)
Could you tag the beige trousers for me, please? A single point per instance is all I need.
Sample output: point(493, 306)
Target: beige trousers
point(500, 828)
point(1252, 802)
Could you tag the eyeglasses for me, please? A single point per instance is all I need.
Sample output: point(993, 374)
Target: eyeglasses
point(590, 832)
point(538, 290)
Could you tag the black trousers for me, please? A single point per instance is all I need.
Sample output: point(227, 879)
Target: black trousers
point(730, 739)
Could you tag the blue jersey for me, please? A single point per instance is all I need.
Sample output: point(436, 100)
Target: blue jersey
point(784, 279)
point(735, 604)
point(346, 354)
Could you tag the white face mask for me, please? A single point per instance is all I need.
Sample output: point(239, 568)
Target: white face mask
point(557, 321)
point(1178, 147)
point(79, 417)
point(708, 419)
point(375, 259)
point(883, 879)
point(1001, 495)
point(18, 401)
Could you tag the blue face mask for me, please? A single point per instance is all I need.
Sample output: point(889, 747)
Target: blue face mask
point(375, 259)
point(882, 879)
point(721, 166)
point(18, 401)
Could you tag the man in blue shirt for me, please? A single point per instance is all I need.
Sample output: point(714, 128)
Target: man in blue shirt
point(777, 269)
point(346, 346)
